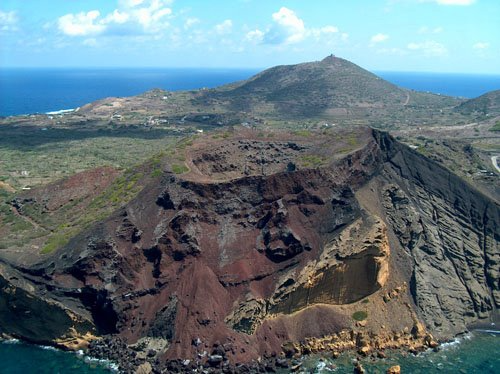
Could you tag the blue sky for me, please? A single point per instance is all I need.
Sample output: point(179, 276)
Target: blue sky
point(395, 35)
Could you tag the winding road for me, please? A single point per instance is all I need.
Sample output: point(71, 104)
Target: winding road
point(494, 161)
point(407, 99)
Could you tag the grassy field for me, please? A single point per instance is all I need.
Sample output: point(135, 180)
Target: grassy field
point(31, 157)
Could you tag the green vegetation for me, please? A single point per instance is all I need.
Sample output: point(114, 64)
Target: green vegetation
point(360, 315)
point(57, 240)
point(32, 157)
point(303, 133)
point(121, 191)
point(179, 169)
point(222, 135)
point(496, 126)
point(311, 161)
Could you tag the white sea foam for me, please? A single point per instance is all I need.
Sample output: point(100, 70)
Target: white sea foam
point(109, 364)
point(48, 347)
point(10, 341)
point(496, 332)
point(455, 342)
point(62, 111)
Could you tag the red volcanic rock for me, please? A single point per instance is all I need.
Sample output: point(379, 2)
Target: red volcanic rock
point(232, 263)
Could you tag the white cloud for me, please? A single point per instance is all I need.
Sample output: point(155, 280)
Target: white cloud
point(255, 36)
point(430, 30)
point(481, 45)
point(190, 22)
point(329, 30)
point(288, 29)
point(450, 2)
point(8, 21)
point(81, 24)
point(379, 38)
point(392, 51)
point(224, 27)
point(456, 2)
point(429, 48)
point(131, 17)
point(116, 17)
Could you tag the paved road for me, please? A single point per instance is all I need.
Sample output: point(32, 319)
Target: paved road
point(494, 161)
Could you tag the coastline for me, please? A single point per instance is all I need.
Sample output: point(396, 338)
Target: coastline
point(80, 355)
point(322, 360)
point(62, 111)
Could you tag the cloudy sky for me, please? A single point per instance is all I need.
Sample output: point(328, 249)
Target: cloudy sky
point(398, 35)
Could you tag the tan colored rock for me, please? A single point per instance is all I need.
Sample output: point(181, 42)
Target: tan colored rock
point(418, 330)
point(361, 323)
point(75, 341)
point(396, 369)
point(145, 368)
point(364, 351)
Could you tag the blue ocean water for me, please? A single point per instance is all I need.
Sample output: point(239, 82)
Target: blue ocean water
point(21, 358)
point(477, 353)
point(462, 85)
point(25, 91)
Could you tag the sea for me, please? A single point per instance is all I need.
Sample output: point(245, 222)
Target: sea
point(27, 91)
point(477, 352)
point(42, 90)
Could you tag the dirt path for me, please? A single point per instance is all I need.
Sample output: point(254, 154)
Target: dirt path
point(28, 219)
point(494, 161)
point(407, 99)
point(194, 174)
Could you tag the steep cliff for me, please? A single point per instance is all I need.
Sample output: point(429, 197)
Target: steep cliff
point(256, 250)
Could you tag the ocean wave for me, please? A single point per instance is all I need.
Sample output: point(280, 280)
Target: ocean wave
point(107, 363)
point(496, 332)
point(48, 348)
point(10, 341)
point(450, 344)
point(62, 111)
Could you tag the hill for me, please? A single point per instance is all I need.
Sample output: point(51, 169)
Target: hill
point(330, 88)
point(487, 104)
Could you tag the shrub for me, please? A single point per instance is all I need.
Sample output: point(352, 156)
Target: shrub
point(360, 315)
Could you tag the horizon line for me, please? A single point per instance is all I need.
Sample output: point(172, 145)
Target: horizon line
point(257, 69)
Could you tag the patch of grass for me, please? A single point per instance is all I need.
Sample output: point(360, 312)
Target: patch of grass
point(303, 133)
point(179, 169)
point(47, 156)
point(360, 315)
point(312, 161)
point(156, 173)
point(365, 301)
point(496, 126)
point(57, 241)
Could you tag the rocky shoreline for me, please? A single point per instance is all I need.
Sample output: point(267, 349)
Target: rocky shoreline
point(142, 359)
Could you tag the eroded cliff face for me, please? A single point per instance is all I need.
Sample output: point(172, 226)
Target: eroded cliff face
point(451, 232)
point(230, 257)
